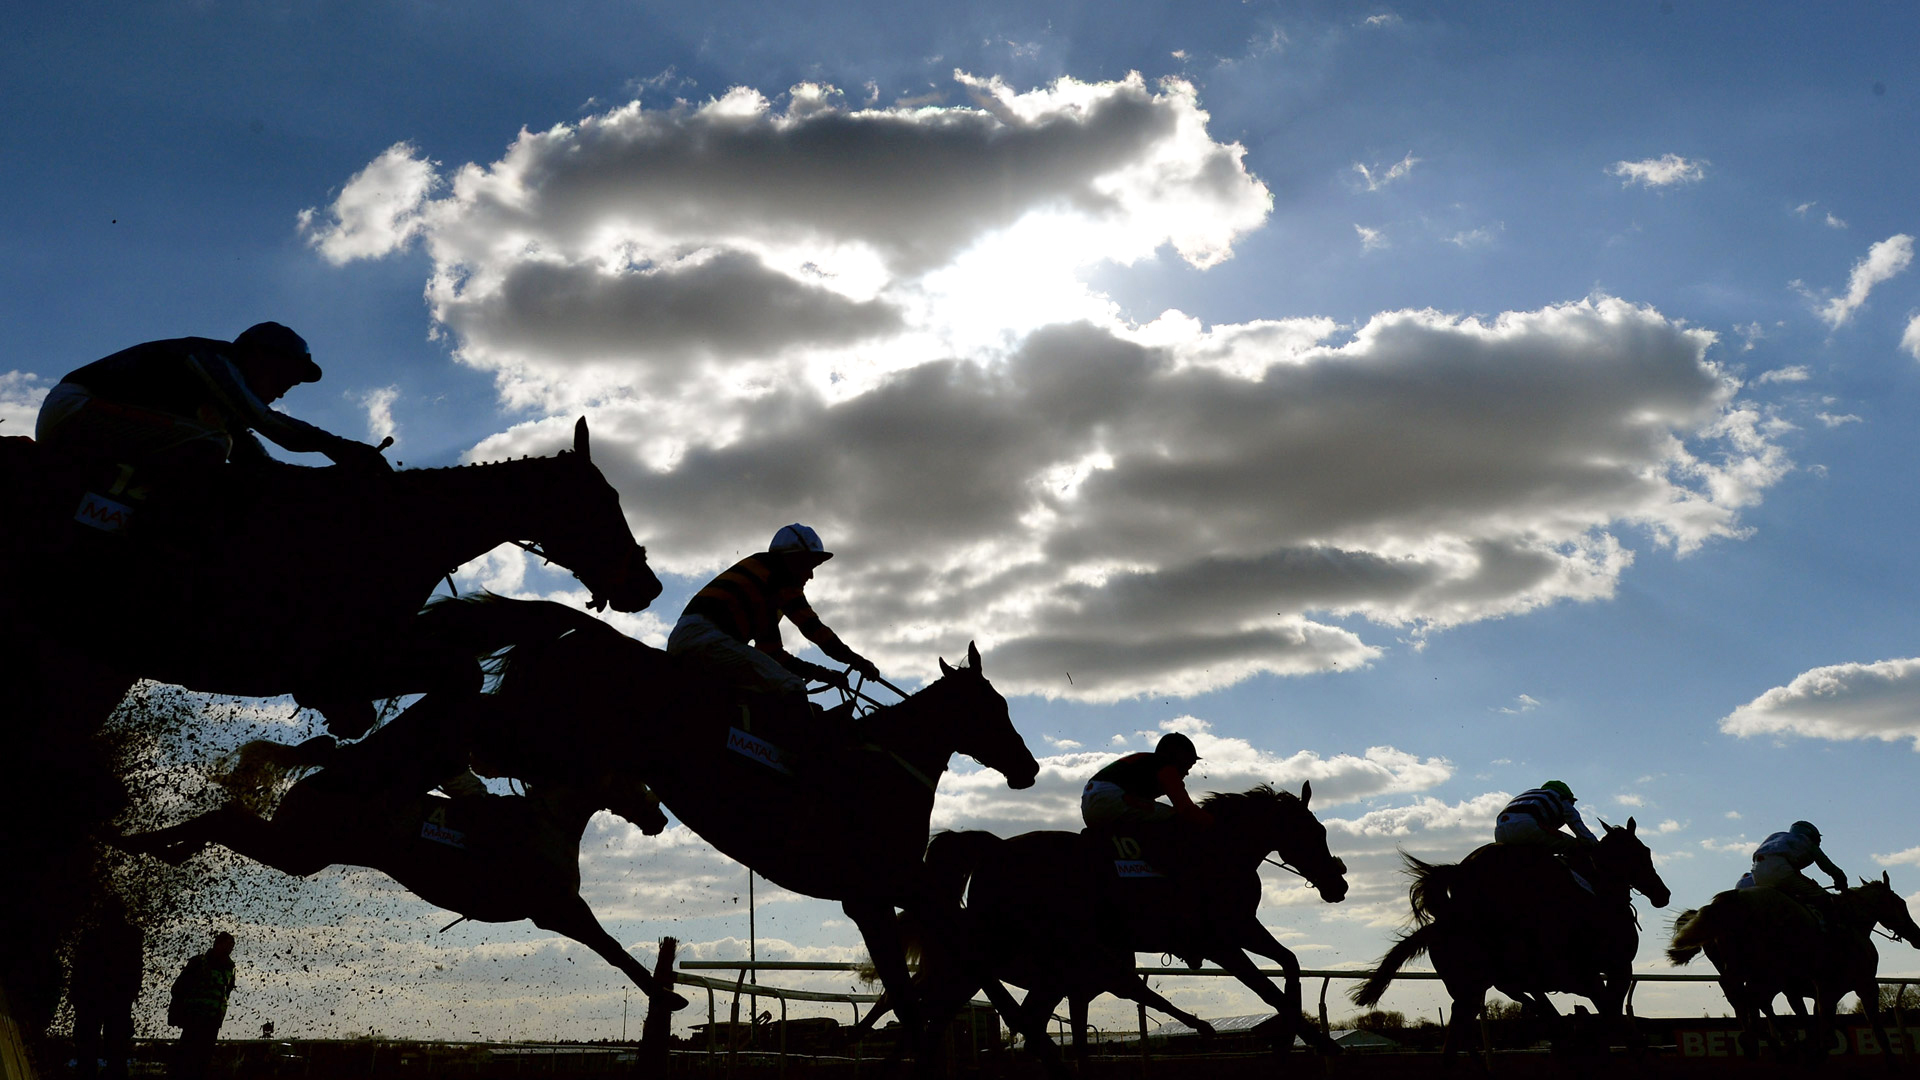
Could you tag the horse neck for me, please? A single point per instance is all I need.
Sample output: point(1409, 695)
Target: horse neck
point(476, 508)
point(566, 807)
point(919, 731)
point(1248, 841)
point(1858, 909)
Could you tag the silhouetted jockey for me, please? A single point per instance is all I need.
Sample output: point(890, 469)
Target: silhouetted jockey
point(1779, 860)
point(731, 627)
point(1127, 791)
point(1534, 818)
point(191, 401)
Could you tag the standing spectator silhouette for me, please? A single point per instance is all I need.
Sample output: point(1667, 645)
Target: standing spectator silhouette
point(199, 1006)
point(108, 962)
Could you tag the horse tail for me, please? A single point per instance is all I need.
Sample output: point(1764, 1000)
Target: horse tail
point(1433, 887)
point(1695, 929)
point(1368, 993)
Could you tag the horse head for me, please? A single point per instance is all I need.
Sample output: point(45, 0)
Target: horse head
point(984, 731)
point(595, 541)
point(1622, 854)
point(1281, 822)
point(1878, 903)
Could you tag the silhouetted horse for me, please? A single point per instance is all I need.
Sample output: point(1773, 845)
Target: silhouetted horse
point(1764, 942)
point(832, 819)
point(1514, 918)
point(1049, 912)
point(491, 858)
point(292, 580)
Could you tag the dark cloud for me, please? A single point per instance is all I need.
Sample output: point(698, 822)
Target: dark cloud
point(656, 319)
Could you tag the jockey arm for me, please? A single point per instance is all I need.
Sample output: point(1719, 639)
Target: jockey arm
point(820, 634)
point(1579, 827)
point(229, 390)
point(1173, 781)
point(1826, 866)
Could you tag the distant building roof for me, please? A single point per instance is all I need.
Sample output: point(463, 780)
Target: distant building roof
point(1349, 1038)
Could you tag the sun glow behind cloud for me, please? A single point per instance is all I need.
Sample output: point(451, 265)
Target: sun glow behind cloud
point(754, 296)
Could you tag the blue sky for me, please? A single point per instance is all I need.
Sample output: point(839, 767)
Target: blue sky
point(1422, 402)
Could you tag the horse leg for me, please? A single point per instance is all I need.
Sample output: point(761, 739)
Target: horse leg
point(571, 917)
point(882, 935)
point(1245, 933)
point(1077, 1019)
point(285, 849)
point(1134, 988)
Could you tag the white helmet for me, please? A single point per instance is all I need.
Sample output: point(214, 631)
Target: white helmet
point(797, 539)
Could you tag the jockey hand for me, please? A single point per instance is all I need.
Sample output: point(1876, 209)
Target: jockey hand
point(1839, 883)
point(867, 668)
point(827, 675)
point(358, 456)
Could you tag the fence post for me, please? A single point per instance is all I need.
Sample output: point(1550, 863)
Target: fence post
point(656, 1031)
point(1143, 1037)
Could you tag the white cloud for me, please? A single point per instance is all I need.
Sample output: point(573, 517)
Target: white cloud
point(1371, 239)
point(1630, 800)
point(1481, 237)
point(1910, 340)
point(1909, 857)
point(379, 210)
point(1883, 261)
point(1793, 373)
point(1840, 702)
point(1388, 19)
point(1834, 420)
point(379, 406)
point(1376, 178)
point(980, 798)
point(1663, 171)
point(1732, 815)
point(1804, 207)
point(1834, 222)
point(750, 300)
point(1668, 826)
point(1522, 703)
point(21, 393)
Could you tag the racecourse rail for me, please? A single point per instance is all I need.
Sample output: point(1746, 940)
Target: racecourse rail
point(739, 986)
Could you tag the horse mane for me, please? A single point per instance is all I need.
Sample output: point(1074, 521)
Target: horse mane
point(1260, 797)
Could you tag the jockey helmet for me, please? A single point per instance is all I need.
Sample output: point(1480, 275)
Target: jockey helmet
point(797, 539)
point(273, 339)
point(1177, 749)
point(1560, 788)
point(1806, 829)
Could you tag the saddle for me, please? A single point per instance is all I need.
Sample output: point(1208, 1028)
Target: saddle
point(1139, 851)
point(774, 733)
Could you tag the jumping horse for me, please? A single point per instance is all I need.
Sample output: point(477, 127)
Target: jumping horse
point(1514, 918)
point(291, 580)
point(1052, 911)
point(490, 858)
point(1763, 943)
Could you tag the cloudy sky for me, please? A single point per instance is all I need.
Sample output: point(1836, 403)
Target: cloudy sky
point(1419, 402)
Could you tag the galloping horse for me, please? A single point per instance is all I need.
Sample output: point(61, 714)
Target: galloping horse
point(308, 581)
point(1049, 913)
point(491, 858)
point(1514, 918)
point(839, 822)
point(1763, 943)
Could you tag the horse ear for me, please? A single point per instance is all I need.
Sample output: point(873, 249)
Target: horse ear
point(1631, 826)
point(1885, 880)
point(580, 440)
point(973, 657)
point(944, 669)
point(1306, 792)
